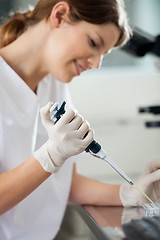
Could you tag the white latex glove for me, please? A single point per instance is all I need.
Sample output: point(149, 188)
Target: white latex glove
point(149, 182)
point(68, 137)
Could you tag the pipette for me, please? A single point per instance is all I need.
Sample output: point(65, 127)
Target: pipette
point(102, 155)
point(95, 149)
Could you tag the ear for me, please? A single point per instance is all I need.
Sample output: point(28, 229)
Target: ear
point(59, 13)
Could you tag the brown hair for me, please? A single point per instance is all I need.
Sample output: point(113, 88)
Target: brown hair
point(92, 11)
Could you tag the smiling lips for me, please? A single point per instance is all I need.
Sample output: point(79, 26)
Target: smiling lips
point(79, 68)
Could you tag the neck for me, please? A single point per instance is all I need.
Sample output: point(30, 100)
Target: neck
point(26, 55)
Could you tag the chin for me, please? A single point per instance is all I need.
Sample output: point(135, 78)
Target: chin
point(65, 79)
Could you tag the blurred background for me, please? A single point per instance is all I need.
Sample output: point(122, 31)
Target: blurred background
point(110, 98)
point(116, 100)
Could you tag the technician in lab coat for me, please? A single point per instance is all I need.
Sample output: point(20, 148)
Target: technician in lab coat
point(55, 40)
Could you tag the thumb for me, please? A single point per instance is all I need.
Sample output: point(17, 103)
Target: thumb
point(155, 176)
point(45, 114)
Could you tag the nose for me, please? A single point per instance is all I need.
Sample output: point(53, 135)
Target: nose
point(95, 61)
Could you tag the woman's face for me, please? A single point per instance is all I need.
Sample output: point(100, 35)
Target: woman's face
point(74, 48)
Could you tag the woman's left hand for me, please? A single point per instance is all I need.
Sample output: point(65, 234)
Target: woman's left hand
point(149, 182)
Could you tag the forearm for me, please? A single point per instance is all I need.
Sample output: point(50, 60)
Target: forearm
point(19, 182)
point(88, 191)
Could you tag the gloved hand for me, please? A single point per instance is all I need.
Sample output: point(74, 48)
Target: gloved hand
point(68, 137)
point(149, 182)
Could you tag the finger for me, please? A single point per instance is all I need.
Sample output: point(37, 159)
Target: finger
point(76, 122)
point(45, 113)
point(155, 176)
point(88, 138)
point(83, 129)
point(67, 117)
point(154, 165)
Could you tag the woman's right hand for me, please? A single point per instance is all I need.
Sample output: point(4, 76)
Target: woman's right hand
point(68, 137)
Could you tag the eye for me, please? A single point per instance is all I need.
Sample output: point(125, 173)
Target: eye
point(93, 43)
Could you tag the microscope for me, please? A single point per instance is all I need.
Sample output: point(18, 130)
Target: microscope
point(140, 44)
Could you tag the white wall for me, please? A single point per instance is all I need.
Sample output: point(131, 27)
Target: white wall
point(109, 99)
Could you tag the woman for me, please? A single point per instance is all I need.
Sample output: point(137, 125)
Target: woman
point(57, 40)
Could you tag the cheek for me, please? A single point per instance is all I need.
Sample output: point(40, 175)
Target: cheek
point(61, 67)
point(74, 45)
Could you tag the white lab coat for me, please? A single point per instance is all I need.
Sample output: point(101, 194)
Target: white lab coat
point(38, 216)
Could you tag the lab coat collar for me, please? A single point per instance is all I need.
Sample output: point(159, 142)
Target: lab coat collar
point(17, 89)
